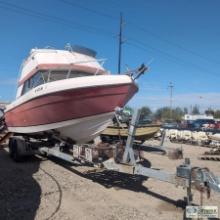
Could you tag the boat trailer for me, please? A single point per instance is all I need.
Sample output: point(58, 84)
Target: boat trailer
point(115, 157)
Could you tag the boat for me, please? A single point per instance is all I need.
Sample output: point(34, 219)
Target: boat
point(67, 92)
point(143, 132)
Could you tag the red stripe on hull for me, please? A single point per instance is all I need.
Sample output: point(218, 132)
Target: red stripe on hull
point(71, 104)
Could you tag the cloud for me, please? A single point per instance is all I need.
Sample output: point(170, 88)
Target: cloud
point(151, 88)
point(146, 87)
point(203, 100)
point(10, 81)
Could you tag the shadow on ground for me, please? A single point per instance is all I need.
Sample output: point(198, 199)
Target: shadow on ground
point(19, 191)
point(151, 149)
point(118, 180)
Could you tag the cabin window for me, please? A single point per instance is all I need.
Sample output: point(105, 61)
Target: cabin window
point(37, 79)
point(44, 76)
point(74, 74)
point(26, 87)
point(58, 75)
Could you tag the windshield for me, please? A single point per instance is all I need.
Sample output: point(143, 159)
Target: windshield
point(45, 76)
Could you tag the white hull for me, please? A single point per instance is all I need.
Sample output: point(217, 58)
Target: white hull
point(80, 130)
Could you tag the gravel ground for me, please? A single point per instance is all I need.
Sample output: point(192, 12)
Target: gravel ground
point(43, 189)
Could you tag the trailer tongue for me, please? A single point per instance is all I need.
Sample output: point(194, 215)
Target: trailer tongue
point(186, 176)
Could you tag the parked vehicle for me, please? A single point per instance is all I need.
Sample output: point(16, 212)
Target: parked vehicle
point(201, 123)
point(170, 125)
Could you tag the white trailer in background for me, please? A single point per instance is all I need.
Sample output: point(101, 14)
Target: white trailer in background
point(195, 117)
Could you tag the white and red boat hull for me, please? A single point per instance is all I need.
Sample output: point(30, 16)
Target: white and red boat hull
point(77, 112)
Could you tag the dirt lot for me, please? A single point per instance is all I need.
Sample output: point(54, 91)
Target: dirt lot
point(44, 189)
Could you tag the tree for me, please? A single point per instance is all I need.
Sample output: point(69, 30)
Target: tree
point(209, 111)
point(145, 112)
point(195, 110)
point(185, 110)
point(217, 114)
point(177, 114)
point(164, 114)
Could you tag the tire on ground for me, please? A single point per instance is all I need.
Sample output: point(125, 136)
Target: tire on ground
point(14, 152)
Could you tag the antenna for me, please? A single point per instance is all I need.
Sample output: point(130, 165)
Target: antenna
point(170, 87)
point(120, 42)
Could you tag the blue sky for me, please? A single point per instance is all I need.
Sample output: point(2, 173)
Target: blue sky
point(180, 40)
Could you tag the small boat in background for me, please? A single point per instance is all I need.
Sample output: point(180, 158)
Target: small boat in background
point(143, 132)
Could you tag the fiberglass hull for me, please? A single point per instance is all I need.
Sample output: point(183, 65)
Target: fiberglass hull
point(77, 112)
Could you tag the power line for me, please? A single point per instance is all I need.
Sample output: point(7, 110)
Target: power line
point(87, 28)
point(74, 4)
point(173, 44)
point(180, 61)
point(150, 48)
point(143, 29)
point(52, 18)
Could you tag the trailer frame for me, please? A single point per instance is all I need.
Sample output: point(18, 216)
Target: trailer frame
point(51, 144)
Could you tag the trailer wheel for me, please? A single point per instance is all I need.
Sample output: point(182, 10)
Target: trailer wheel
point(10, 147)
point(13, 150)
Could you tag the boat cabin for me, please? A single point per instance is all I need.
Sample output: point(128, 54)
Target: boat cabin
point(48, 65)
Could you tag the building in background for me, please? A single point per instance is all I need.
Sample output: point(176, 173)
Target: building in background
point(195, 117)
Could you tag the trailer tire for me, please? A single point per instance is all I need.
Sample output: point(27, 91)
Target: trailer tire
point(10, 147)
point(14, 151)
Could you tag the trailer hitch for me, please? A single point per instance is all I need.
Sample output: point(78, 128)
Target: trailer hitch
point(198, 178)
point(203, 178)
point(186, 176)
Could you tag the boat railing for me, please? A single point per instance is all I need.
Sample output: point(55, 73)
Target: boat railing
point(100, 61)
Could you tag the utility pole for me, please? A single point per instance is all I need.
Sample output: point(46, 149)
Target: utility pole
point(170, 87)
point(120, 42)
